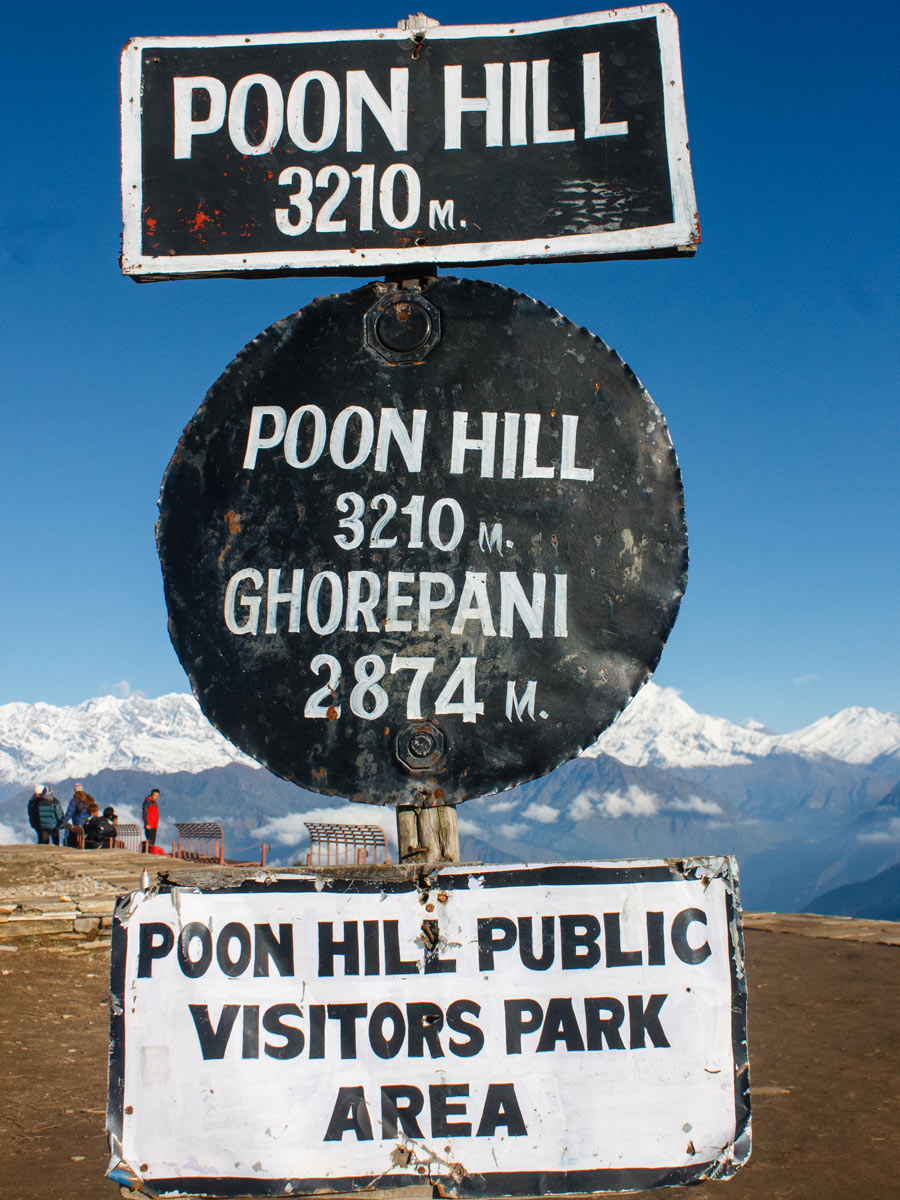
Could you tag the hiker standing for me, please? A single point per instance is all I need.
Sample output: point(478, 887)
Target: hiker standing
point(45, 815)
point(150, 816)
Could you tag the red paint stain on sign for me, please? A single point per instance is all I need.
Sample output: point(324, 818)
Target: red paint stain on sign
point(201, 220)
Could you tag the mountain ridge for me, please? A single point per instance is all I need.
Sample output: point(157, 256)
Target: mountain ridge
point(169, 734)
point(807, 812)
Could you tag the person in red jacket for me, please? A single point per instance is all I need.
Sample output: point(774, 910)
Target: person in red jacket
point(150, 816)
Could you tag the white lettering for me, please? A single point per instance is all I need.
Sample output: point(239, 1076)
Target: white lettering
point(386, 196)
point(440, 214)
point(567, 469)
point(255, 440)
point(338, 443)
point(397, 600)
point(594, 125)
point(513, 599)
point(561, 606)
point(446, 504)
point(427, 604)
point(237, 114)
point(462, 679)
point(462, 442)
point(510, 445)
point(514, 704)
point(186, 128)
point(491, 104)
point(530, 468)
point(409, 442)
point(336, 605)
point(273, 598)
point(474, 605)
point(292, 436)
point(251, 603)
point(372, 604)
point(393, 120)
point(540, 100)
point(422, 667)
point(357, 606)
point(492, 540)
point(518, 85)
point(331, 110)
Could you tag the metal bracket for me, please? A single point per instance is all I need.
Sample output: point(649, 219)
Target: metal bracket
point(417, 23)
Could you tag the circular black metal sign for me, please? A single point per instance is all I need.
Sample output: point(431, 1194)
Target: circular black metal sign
point(421, 544)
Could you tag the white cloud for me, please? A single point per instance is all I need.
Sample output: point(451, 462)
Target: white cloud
point(802, 679)
point(10, 837)
point(512, 831)
point(889, 834)
point(122, 689)
point(695, 804)
point(545, 814)
point(582, 806)
point(502, 806)
point(635, 802)
point(290, 830)
point(468, 826)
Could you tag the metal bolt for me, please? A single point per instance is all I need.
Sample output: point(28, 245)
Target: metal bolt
point(403, 327)
point(421, 745)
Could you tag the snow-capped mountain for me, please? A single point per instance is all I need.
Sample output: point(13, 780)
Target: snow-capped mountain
point(170, 734)
point(660, 729)
point(807, 812)
point(41, 743)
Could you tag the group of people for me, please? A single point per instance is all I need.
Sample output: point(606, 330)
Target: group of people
point(47, 819)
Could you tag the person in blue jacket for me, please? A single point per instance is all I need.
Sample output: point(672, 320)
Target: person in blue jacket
point(77, 813)
point(45, 815)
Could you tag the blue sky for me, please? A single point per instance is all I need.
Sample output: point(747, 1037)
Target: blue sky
point(773, 353)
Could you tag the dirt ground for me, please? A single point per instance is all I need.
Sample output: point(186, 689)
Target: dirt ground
point(824, 1026)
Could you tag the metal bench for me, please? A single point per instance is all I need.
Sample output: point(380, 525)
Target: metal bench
point(128, 837)
point(199, 841)
point(351, 844)
point(204, 842)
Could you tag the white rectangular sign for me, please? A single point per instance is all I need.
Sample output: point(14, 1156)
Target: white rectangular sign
point(510, 1030)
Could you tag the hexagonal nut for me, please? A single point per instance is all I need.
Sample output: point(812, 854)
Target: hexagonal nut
point(403, 327)
point(421, 747)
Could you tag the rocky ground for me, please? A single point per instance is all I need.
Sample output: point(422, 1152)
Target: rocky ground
point(823, 1048)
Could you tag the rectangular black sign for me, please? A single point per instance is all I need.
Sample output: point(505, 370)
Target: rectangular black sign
point(362, 150)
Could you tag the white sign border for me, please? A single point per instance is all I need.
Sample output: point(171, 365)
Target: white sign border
point(683, 233)
point(701, 870)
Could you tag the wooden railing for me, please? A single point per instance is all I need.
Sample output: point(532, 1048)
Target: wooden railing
point(353, 844)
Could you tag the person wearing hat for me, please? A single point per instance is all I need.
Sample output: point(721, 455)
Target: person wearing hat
point(77, 813)
point(45, 815)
